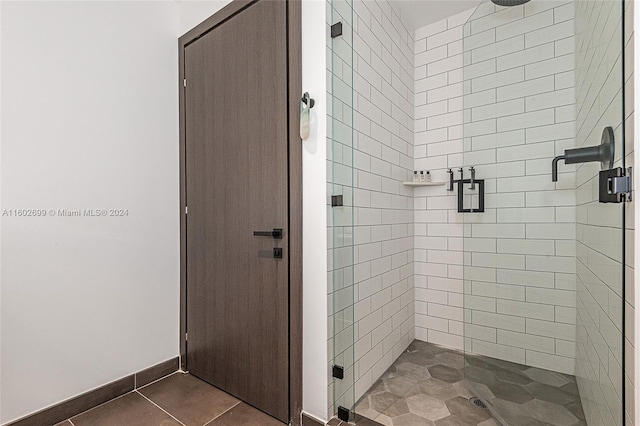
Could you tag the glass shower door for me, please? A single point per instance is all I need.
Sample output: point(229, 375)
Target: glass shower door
point(544, 260)
point(341, 213)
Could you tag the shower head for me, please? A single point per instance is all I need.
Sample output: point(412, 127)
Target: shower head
point(510, 2)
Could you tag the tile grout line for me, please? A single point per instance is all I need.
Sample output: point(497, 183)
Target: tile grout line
point(165, 411)
point(224, 412)
point(157, 380)
point(120, 396)
point(100, 405)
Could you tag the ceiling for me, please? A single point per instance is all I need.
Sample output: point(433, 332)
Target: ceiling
point(418, 13)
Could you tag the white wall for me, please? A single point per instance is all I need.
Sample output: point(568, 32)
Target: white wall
point(0, 206)
point(0, 216)
point(192, 12)
point(421, 13)
point(90, 120)
point(314, 155)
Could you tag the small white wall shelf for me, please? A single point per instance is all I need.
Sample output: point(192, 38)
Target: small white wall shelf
point(424, 183)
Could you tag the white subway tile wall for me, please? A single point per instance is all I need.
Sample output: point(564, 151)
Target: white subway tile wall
point(519, 273)
point(439, 145)
point(631, 346)
point(599, 103)
point(519, 113)
point(379, 272)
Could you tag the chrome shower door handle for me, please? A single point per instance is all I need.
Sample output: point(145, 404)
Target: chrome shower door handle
point(473, 178)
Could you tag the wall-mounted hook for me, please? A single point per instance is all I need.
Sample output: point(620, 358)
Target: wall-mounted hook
point(306, 103)
point(307, 100)
point(461, 170)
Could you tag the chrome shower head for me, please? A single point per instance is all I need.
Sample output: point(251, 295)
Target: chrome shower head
point(510, 2)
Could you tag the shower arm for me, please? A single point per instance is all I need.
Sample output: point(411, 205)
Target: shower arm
point(554, 167)
point(603, 153)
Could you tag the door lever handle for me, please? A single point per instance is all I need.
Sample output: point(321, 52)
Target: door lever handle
point(276, 233)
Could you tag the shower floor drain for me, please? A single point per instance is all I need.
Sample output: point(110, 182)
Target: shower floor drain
point(476, 402)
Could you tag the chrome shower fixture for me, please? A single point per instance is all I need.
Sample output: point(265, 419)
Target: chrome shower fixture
point(603, 153)
point(450, 188)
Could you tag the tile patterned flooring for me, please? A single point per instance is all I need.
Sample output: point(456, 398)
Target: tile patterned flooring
point(523, 395)
point(178, 399)
point(426, 386)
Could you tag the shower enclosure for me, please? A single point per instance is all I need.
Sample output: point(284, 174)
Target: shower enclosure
point(340, 177)
point(499, 281)
point(544, 264)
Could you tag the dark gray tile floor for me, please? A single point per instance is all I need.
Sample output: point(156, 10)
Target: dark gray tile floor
point(430, 385)
point(178, 399)
point(523, 395)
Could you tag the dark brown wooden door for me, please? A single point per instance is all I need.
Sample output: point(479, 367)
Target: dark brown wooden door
point(237, 183)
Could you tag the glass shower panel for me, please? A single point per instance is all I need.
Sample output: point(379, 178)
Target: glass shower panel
point(544, 261)
point(340, 170)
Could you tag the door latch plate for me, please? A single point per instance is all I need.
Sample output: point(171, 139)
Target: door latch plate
point(615, 185)
point(277, 252)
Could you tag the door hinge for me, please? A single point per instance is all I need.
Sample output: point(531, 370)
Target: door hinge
point(186, 337)
point(184, 82)
point(336, 29)
point(186, 210)
point(344, 414)
point(338, 372)
point(615, 185)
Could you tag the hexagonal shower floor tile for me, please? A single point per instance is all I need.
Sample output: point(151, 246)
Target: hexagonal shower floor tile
point(426, 386)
